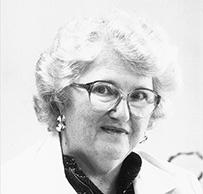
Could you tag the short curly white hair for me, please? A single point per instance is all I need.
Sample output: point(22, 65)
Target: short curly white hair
point(78, 43)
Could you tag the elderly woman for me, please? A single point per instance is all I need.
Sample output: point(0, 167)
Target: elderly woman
point(101, 85)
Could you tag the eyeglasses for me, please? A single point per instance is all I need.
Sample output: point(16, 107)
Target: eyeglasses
point(104, 96)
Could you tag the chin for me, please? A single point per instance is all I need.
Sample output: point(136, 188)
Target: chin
point(114, 152)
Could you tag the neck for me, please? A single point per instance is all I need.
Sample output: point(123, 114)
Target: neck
point(107, 183)
point(103, 175)
point(102, 172)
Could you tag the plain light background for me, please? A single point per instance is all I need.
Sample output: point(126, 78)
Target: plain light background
point(29, 26)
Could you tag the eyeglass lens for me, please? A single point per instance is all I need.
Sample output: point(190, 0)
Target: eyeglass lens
point(105, 96)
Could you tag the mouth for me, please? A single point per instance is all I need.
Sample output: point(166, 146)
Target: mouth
point(114, 130)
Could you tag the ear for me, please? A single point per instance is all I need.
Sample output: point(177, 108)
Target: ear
point(152, 123)
point(56, 107)
point(61, 108)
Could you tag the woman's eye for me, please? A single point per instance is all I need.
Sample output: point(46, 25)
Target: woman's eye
point(102, 90)
point(138, 96)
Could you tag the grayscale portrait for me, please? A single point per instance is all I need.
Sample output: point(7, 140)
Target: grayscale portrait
point(101, 97)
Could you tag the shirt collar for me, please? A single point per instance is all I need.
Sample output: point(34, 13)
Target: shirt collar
point(153, 178)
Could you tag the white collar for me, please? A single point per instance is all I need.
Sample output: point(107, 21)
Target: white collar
point(153, 177)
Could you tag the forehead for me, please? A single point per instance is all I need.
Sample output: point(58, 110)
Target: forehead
point(111, 67)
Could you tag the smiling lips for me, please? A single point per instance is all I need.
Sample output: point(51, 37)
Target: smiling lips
point(115, 130)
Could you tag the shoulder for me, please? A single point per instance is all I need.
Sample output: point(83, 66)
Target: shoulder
point(35, 170)
point(169, 175)
point(15, 174)
point(24, 160)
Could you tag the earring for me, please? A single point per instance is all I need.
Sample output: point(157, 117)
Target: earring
point(144, 139)
point(60, 125)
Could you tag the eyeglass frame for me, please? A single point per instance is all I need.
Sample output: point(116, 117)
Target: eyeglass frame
point(90, 85)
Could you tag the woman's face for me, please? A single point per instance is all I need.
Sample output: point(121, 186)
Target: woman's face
point(85, 134)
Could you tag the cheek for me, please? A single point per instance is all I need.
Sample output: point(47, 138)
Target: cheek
point(83, 121)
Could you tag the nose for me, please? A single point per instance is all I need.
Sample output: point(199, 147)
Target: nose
point(121, 111)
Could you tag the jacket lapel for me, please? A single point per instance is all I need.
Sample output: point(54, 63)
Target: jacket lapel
point(49, 165)
point(153, 179)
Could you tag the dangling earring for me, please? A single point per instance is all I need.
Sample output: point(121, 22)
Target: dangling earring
point(144, 139)
point(60, 125)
